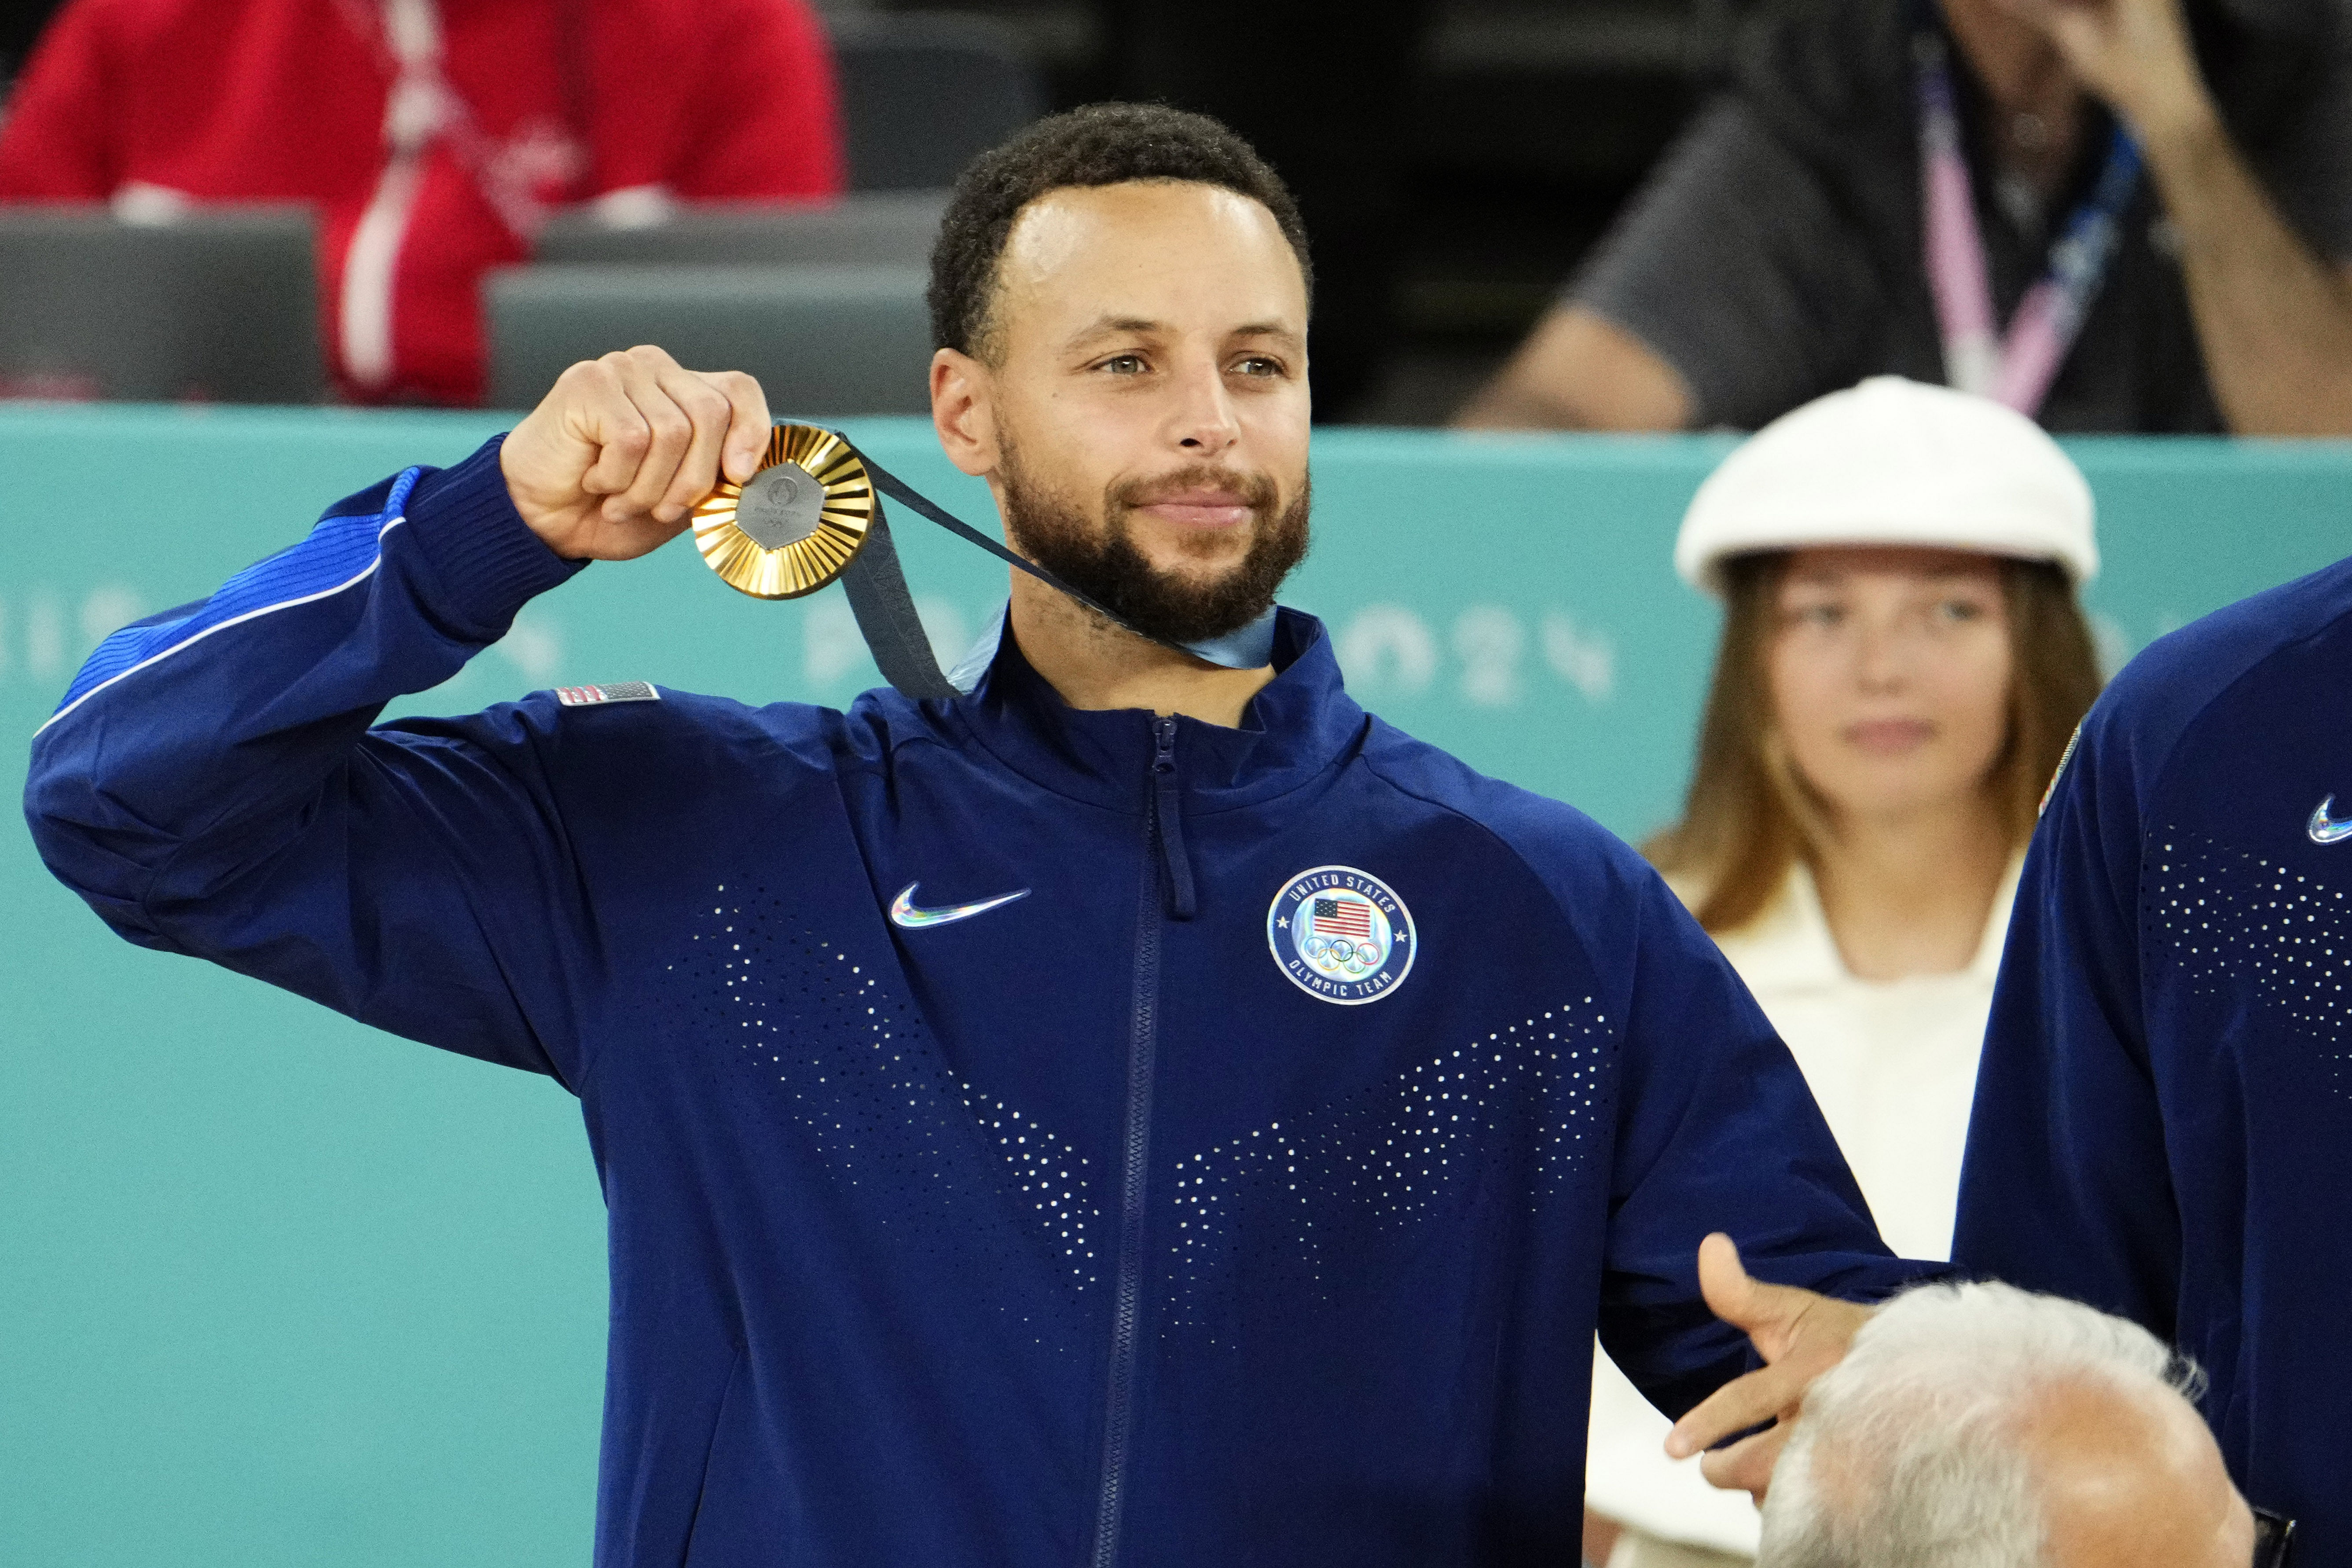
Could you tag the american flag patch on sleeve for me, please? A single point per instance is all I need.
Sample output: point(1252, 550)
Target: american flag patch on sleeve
point(619, 691)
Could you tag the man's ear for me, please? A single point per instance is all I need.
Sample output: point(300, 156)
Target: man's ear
point(963, 411)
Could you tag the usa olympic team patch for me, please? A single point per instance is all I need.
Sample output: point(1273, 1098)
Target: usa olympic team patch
point(1342, 935)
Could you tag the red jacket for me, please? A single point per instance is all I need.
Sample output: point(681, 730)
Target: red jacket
point(139, 101)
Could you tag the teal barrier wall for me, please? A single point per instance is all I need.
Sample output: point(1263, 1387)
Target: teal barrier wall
point(277, 1290)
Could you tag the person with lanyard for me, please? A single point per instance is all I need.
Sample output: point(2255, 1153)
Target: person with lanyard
point(2126, 215)
point(1139, 1110)
point(1902, 663)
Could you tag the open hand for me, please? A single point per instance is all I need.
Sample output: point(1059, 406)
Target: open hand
point(612, 461)
point(2135, 54)
point(1800, 1335)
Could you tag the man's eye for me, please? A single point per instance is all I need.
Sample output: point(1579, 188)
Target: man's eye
point(1123, 364)
point(1958, 610)
point(1258, 364)
point(1817, 615)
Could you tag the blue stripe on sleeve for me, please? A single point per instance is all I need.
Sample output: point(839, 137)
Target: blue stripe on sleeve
point(120, 651)
point(337, 553)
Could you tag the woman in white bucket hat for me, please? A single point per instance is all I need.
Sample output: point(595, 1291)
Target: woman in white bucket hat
point(1902, 663)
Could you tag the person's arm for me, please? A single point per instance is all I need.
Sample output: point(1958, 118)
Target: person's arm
point(2066, 1185)
point(211, 784)
point(1717, 1132)
point(1731, 289)
point(2273, 317)
point(55, 140)
point(769, 112)
point(1578, 371)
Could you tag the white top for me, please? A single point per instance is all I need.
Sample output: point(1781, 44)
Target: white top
point(1893, 1064)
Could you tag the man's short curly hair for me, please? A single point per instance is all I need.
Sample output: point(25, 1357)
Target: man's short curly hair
point(1100, 144)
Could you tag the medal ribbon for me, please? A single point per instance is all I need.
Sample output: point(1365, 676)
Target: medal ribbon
point(877, 586)
point(2016, 368)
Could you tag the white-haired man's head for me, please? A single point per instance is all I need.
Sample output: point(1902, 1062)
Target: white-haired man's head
point(1984, 1426)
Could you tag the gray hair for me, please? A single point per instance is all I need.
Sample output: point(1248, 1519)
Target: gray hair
point(1905, 1454)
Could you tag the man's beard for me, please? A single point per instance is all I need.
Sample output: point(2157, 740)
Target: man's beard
point(1108, 569)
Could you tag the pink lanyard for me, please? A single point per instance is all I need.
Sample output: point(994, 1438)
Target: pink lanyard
point(2018, 367)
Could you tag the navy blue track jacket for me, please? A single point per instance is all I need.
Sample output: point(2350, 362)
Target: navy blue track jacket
point(1246, 1190)
point(2163, 1122)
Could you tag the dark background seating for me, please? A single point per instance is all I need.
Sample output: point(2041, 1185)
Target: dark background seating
point(823, 340)
point(1454, 157)
point(219, 305)
point(889, 228)
point(922, 93)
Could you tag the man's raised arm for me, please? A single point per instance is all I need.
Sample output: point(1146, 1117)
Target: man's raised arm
point(211, 785)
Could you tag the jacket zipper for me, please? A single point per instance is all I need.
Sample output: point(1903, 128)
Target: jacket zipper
point(1167, 891)
point(1168, 818)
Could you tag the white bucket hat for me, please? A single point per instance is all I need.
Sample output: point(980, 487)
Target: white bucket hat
point(1893, 462)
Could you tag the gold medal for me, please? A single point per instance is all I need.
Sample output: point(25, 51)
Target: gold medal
point(796, 524)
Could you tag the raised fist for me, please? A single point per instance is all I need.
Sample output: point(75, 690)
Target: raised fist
point(612, 461)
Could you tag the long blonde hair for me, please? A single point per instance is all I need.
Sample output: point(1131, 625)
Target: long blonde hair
point(1749, 819)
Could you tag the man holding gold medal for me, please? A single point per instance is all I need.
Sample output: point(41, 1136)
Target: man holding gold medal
point(1129, 1106)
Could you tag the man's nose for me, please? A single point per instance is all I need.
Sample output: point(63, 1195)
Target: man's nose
point(1202, 421)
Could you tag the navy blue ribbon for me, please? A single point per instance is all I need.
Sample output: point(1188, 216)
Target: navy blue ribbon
point(876, 585)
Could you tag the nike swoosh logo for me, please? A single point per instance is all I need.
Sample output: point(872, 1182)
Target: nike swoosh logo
point(2326, 829)
point(904, 912)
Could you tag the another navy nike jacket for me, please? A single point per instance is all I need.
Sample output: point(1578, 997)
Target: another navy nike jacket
point(2163, 1122)
point(1246, 1190)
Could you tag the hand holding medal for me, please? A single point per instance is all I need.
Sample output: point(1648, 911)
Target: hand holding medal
point(609, 463)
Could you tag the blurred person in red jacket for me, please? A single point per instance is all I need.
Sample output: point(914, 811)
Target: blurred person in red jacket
point(431, 135)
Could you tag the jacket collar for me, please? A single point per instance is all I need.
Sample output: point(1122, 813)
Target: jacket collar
point(1294, 729)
